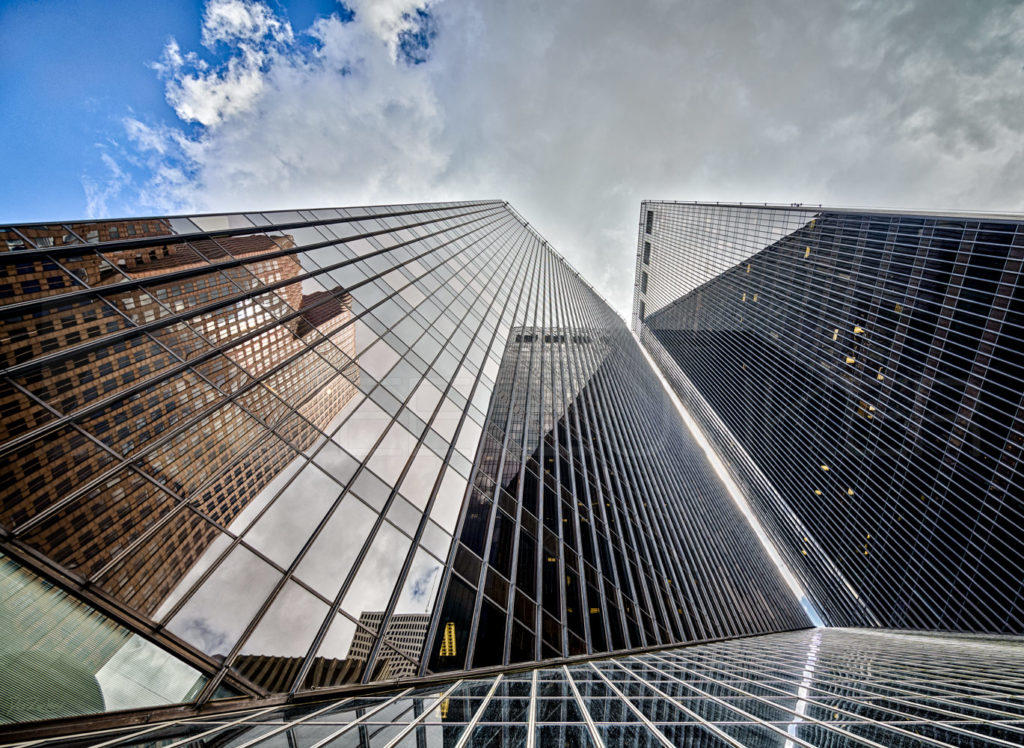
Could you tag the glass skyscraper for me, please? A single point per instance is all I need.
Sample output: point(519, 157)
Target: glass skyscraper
point(398, 475)
point(862, 373)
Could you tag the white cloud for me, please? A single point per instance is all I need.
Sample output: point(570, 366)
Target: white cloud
point(575, 111)
point(388, 19)
point(241, 21)
point(100, 190)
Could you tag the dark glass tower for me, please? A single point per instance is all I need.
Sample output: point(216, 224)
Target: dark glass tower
point(861, 372)
point(237, 448)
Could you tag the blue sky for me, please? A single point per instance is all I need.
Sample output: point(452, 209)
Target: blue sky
point(70, 72)
point(573, 111)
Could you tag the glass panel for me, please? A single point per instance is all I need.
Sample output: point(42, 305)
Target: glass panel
point(218, 612)
point(290, 520)
point(61, 658)
point(359, 433)
point(419, 481)
point(392, 453)
point(378, 573)
point(273, 653)
point(329, 560)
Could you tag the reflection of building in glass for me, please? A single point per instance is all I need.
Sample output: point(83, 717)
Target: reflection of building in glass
point(862, 372)
point(293, 455)
point(405, 633)
point(229, 462)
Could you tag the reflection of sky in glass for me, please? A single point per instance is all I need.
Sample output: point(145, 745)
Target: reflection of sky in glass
point(291, 519)
point(421, 476)
point(361, 430)
point(338, 639)
point(211, 554)
point(424, 400)
point(217, 614)
point(332, 554)
point(391, 455)
point(141, 674)
point(448, 501)
point(289, 625)
point(420, 588)
point(378, 360)
point(372, 587)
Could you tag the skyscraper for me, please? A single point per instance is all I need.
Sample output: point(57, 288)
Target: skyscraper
point(861, 372)
point(398, 476)
point(287, 451)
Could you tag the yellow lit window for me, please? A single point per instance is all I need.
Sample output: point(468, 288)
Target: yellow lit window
point(807, 252)
point(448, 641)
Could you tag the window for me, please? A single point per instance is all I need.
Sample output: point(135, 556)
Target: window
point(642, 311)
point(647, 253)
point(650, 221)
point(643, 283)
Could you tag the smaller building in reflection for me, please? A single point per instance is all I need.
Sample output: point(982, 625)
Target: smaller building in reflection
point(405, 633)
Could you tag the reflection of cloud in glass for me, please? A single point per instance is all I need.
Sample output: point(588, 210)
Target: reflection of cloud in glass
point(361, 430)
point(421, 476)
point(289, 626)
point(372, 587)
point(211, 554)
point(338, 639)
point(424, 400)
point(378, 360)
point(448, 501)
point(291, 519)
point(332, 554)
point(420, 585)
point(217, 614)
point(392, 453)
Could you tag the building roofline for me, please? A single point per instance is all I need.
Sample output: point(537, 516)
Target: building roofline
point(858, 210)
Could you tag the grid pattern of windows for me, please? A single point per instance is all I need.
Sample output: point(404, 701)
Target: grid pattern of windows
point(826, 687)
point(252, 438)
point(862, 374)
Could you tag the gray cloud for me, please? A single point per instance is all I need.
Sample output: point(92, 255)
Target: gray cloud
point(576, 111)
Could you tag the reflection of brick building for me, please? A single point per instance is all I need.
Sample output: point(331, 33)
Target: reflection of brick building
point(82, 504)
point(277, 674)
point(405, 632)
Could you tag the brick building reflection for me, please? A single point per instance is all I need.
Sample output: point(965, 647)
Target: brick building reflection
point(198, 363)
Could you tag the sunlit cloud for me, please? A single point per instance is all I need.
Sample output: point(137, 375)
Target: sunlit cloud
point(576, 111)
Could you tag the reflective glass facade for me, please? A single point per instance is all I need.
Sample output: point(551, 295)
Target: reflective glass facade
point(819, 687)
point(861, 374)
point(254, 455)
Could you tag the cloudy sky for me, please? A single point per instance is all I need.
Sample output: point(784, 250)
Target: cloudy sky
point(572, 111)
